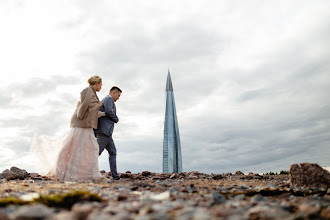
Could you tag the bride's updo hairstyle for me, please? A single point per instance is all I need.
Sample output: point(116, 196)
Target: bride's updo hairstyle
point(94, 79)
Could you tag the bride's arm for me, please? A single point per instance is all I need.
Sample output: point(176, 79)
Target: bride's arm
point(85, 98)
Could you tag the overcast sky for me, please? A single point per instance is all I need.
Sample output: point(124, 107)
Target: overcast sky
point(251, 79)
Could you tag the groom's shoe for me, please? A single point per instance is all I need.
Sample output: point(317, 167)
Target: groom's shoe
point(116, 178)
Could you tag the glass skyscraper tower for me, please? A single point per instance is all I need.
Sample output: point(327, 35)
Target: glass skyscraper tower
point(172, 159)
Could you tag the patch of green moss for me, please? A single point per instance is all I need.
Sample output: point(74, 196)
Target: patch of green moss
point(69, 199)
point(11, 201)
point(61, 200)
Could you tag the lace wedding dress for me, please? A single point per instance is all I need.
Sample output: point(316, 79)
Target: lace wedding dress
point(72, 157)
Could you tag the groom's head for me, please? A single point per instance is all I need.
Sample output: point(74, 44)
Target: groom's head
point(115, 93)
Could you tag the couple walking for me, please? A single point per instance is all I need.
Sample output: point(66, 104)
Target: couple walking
point(74, 156)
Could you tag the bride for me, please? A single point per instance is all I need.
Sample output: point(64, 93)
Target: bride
point(74, 156)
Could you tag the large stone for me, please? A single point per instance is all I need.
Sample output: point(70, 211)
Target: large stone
point(35, 176)
point(9, 175)
point(22, 174)
point(192, 176)
point(217, 176)
point(309, 175)
point(146, 173)
point(239, 173)
point(195, 173)
point(126, 175)
point(174, 175)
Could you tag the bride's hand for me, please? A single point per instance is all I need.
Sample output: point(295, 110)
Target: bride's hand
point(100, 114)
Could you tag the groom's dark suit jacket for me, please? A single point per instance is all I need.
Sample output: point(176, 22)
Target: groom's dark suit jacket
point(107, 123)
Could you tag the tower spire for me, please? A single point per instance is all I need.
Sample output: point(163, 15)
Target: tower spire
point(172, 159)
point(169, 86)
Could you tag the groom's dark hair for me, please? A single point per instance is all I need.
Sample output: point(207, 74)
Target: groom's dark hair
point(115, 88)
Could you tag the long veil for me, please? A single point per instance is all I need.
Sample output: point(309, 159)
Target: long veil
point(69, 157)
point(46, 149)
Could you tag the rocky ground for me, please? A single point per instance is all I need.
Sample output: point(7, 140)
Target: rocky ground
point(149, 195)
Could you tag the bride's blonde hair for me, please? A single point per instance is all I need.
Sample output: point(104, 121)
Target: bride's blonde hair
point(94, 79)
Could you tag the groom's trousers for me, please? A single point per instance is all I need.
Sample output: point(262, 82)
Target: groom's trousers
point(106, 142)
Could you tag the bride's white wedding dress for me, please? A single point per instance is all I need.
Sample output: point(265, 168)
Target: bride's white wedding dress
point(72, 157)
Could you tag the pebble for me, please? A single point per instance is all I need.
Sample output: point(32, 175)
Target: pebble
point(99, 216)
point(29, 196)
point(34, 211)
point(122, 196)
point(67, 215)
point(149, 196)
point(192, 177)
point(123, 215)
point(153, 216)
point(244, 186)
point(4, 216)
point(309, 209)
point(217, 198)
point(239, 197)
point(258, 198)
point(267, 212)
point(187, 213)
point(83, 210)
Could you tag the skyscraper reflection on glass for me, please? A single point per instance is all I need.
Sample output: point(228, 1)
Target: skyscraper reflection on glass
point(172, 159)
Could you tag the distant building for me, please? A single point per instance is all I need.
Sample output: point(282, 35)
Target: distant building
point(172, 159)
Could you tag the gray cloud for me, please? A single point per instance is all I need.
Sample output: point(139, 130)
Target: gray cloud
point(38, 86)
point(50, 118)
point(255, 93)
point(19, 144)
point(26, 127)
point(4, 99)
point(248, 143)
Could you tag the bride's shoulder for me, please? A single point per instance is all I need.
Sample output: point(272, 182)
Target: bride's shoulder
point(86, 90)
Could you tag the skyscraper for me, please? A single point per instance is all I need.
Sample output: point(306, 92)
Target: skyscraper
point(172, 159)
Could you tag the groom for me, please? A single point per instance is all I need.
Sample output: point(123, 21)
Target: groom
point(105, 128)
